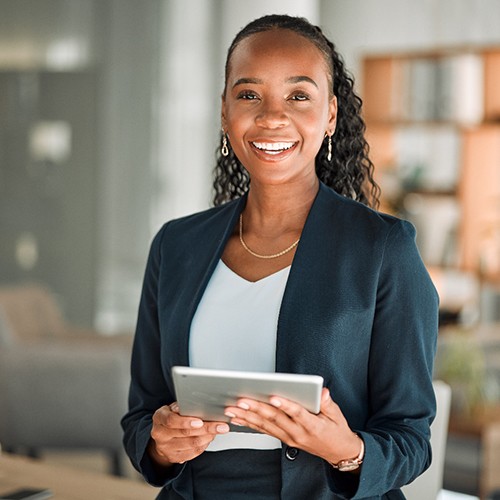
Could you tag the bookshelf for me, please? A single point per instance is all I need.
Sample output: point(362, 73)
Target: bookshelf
point(433, 125)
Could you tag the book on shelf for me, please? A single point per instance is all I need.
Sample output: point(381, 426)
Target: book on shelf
point(467, 89)
point(428, 158)
point(427, 89)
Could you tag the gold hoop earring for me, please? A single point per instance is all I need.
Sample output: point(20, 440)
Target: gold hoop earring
point(224, 148)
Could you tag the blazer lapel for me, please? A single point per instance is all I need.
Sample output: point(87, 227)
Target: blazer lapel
point(195, 254)
point(306, 297)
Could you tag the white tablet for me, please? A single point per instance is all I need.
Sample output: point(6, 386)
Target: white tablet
point(205, 393)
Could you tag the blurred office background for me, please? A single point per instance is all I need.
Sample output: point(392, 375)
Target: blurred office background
point(109, 121)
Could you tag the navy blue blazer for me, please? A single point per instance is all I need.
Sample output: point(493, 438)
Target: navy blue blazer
point(359, 309)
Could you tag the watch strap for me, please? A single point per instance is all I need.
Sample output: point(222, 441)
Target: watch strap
point(350, 464)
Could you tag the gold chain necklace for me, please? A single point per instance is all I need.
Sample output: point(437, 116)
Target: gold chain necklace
point(273, 256)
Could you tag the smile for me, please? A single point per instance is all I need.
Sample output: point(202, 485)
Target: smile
point(273, 148)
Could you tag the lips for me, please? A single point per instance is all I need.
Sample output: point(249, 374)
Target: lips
point(273, 148)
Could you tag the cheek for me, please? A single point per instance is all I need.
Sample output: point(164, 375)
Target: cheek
point(236, 135)
point(237, 123)
point(238, 130)
point(314, 127)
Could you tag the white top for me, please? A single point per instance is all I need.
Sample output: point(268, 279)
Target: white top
point(235, 328)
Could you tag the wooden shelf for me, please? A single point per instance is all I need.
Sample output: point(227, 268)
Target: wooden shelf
point(383, 87)
point(491, 85)
point(479, 195)
point(434, 115)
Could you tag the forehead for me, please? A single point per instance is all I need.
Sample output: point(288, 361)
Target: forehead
point(280, 49)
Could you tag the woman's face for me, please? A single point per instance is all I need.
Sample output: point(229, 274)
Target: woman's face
point(277, 105)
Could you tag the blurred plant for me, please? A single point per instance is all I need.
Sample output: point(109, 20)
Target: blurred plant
point(461, 364)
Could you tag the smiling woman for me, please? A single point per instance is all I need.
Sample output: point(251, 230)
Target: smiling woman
point(290, 272)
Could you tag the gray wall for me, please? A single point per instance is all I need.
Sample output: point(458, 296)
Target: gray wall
point(128, 163)
point(81, 225)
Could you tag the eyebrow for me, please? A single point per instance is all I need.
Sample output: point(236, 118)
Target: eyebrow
point(299, 79)
point(243, 81)
point(292, 79)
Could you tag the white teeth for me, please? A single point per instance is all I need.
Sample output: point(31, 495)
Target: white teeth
point(273, 146)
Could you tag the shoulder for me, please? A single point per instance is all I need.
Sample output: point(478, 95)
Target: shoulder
point(378, 241)
point(357, 220)
point(200, 218)
point(198, 226)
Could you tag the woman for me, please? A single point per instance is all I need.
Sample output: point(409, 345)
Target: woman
point(290, 272)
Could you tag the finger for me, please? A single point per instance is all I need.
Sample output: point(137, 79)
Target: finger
point(188, 444)
point(294, 410)
point(209, 427)
point(261, 417)
point(179, 425)
point(178, 450)
point(256, 423)
point(166, 417)
point(180, 447)
point(329, 408)
point(252, 408)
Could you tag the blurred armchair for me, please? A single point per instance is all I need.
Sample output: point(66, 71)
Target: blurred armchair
point(60, 386)
point(429, 484)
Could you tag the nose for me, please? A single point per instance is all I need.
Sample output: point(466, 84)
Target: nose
point(271, 115)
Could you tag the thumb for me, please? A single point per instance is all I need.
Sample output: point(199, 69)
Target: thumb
point(328, 407)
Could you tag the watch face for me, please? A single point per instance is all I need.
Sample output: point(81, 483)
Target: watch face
point(348, 466)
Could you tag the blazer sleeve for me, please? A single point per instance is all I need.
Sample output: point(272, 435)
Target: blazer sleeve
point(148, 390)
point(401, 397)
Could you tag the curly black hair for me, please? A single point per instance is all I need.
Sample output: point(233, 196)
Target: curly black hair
point(350, 173)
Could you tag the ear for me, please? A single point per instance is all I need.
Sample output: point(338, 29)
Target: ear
point(332, 114)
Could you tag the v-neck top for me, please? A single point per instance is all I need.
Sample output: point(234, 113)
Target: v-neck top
point(235, 328)
point(236, 322)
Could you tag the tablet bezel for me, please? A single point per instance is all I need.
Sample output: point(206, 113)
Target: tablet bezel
point(206, 392)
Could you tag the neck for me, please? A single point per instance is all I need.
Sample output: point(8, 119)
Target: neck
point(272, 208)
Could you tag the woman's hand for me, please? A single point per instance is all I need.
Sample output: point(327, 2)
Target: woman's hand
point(326, 435)
point(176, 439)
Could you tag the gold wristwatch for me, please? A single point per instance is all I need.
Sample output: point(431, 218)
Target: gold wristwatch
point(351, 464)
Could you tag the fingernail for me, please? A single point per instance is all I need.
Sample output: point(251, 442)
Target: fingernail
point(243, 406)
point(222, 428)
point(196, 424)
point(275, 402)
point(229, 414)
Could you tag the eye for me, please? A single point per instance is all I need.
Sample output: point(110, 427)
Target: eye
point(300, 96)
point(247, 95)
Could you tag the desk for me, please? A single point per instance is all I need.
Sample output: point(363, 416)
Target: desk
point(451, 495)
point(69, 483)
point(74, 484)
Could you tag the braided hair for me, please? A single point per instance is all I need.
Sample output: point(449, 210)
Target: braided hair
point(350, 172)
